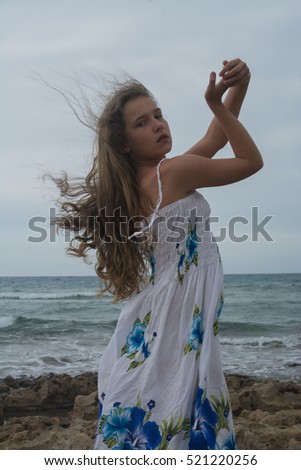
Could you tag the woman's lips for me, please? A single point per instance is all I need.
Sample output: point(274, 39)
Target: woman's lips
point(163, 137)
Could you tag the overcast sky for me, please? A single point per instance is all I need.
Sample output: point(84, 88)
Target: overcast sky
point(171, 46)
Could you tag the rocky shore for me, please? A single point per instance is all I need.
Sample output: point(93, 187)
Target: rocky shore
point(60, 412)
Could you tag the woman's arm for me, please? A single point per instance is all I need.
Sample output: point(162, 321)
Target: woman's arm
point(235, 75)
point(194, 171)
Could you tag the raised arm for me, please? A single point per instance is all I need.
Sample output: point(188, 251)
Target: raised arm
point(235, 76)
point(192, 171)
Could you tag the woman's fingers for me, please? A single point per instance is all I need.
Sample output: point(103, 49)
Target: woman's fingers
point(214, 90)
point(212, 78)
point(234, 72)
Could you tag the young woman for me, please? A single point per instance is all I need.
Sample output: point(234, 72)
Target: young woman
point(161, 384)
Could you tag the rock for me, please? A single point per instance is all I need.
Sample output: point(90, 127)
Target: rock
point(267, 415)
point(86, 407)
point(54, 392)
point(269, 395)
point(10, 381)
point(22, 401)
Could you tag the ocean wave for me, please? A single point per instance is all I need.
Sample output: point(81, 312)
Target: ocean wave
point(13, 324)
point(46, 295)
point(44, 327)
point(5, 322)
point(233, 327)
point(263, 341)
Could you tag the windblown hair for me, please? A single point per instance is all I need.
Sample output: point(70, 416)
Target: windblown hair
point(100, 211)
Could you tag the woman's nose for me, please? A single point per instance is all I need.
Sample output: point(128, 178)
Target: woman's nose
point(157, 125)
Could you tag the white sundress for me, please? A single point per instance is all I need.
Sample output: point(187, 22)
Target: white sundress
point(160, 380)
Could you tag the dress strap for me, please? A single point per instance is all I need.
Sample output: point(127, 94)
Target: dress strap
point(159, 186)
point(158, 204)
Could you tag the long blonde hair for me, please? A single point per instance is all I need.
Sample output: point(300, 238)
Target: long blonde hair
point(100, 210)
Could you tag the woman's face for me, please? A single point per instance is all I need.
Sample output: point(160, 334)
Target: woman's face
point(147, 134)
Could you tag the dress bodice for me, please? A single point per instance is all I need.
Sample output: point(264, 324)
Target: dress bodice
point(181, 236)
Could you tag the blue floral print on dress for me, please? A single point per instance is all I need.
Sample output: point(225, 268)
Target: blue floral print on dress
point(225, 440)
point(204, 419)
point(130, 428)
point(196, 334)
point(210, 426)
point(137, 348)
point(135, 338)
point(133, 429)
point(129, 431)
point(189, 254)
point(152, 261)
point(192, 244)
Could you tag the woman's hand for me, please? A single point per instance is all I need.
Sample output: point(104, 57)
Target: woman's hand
point(235, 72)
point(215, 91)
point(234, 77)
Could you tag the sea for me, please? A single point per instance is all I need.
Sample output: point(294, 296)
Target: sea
point(61, 325)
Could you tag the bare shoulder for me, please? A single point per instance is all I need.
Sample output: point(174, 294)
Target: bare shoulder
point(177, 171)
point(180, 161)
point(172, 187)
point(175, 183)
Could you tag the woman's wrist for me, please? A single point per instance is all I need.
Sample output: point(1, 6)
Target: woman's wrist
point(216, 106)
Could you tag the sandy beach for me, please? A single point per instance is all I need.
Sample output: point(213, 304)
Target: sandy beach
point(60, 412)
